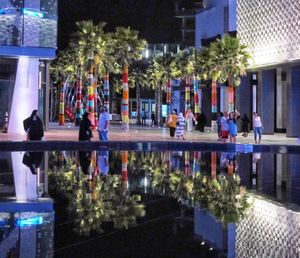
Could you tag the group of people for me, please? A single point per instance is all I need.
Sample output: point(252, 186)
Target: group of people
point(177, 123)
point(227, 126)
point(86, 127)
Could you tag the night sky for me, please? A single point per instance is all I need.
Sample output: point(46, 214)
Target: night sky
point(154, 19)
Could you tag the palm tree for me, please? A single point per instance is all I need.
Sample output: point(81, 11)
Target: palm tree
point(91, 46)
point(159, 75)
point(184, 67)
point(139, 79)
point(230, 60)
point(127, 47)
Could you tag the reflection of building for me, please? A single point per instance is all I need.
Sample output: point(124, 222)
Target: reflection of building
point(28, 31)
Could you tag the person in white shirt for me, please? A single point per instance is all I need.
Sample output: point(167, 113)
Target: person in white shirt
point(103, 125)
point(257, 127)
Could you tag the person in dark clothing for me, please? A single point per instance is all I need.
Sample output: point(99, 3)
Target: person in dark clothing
point(33, 160)
point(34, 127)
point(85, 128)
point(245, 125)
point(153, 118)
point(201, 122)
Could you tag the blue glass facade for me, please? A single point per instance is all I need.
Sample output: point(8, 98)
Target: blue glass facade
point(28, 23)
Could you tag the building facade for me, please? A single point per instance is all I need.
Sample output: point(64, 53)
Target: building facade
point(271, 29)
point(28, 31)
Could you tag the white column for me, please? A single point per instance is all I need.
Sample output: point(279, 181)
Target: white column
point(25, 181)
point(25, 96)
point(224, 99)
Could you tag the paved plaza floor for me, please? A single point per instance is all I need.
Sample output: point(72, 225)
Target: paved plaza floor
point(69, 132)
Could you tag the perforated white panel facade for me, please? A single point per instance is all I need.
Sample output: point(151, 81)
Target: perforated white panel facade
point(271, 29)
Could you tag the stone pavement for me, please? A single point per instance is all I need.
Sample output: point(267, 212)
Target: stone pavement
point(147, 133)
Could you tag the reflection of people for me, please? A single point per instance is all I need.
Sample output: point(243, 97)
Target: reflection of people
point(85, 128)
point(32, 160)
point(103, 163)
point(85, 159)
point(34, 127)
point(232, 164)
point(190, 119)
point(172, 119)
point(103, 125)
point(256, 157)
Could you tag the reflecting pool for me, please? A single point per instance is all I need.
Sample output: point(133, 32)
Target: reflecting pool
point(103, 203)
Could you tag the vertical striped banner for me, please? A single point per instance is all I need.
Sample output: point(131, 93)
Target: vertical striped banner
point(187, 168)
point(95, 86)
point(230, 98)
point(214, 96)
point(196, 97)
point(125, 111)
point(213, 165)
point(90, 103)
point(168, 97)
point(78, 97)
point(187, 94)
point(124, 176)
point(106, 91)
point(62, 104)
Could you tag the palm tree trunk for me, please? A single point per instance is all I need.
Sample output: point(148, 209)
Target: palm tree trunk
point(62, 104)
point(230, 98)
point(213, 165)
point(78, 96)
point(187, 168)
point(168, 99)
point(106, 91)
point(91, 95)
point(158, 112)
point(187, 94)
point(214, 99)
point(125, 117)
point(95, 86)
point(138, 99)
point(196, 98)
point(124, 171)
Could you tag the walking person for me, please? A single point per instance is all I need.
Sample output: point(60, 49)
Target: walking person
point(190, 120)
point(180, 125)
point(245, 125)
point(34, 127)
point(85, 128)
point(224, 127)
point(232, 127)
point(103, 125)
point(172, 119)
point(257, 127)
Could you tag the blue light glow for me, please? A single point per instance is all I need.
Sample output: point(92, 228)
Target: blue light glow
point(33, 13)
point(38, 220)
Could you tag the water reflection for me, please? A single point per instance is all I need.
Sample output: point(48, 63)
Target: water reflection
point(102, 188)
